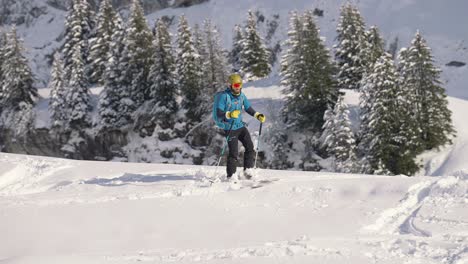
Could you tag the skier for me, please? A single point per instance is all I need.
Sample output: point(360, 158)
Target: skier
point(227, 112)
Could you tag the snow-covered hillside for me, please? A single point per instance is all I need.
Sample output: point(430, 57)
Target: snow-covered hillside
point(64, 211)
point(442, 23)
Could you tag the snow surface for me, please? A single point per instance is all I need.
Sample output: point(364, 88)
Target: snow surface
point(63, 211)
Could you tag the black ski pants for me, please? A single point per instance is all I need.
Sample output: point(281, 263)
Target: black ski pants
point(242, 135)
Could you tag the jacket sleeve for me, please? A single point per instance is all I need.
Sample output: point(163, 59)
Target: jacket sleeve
point(221, 108)
point(248, 108)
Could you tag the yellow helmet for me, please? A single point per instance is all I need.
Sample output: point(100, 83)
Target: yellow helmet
point(235, 78)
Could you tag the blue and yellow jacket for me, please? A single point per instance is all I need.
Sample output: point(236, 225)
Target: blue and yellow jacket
point(227, 102)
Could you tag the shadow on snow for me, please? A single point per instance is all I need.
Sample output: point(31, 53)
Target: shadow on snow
point(129, 178)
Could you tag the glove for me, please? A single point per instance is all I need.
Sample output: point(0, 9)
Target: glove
point(234, 114)
point(260, 117)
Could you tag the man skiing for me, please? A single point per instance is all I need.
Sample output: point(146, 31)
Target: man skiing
point(227, 112)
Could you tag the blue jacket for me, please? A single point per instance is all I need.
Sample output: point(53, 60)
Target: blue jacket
point(229, 102)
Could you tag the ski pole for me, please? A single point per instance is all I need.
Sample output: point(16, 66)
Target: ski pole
point(258, 143)
point(224, 147)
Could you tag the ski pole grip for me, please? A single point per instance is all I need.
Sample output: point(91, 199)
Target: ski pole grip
point(260, 130)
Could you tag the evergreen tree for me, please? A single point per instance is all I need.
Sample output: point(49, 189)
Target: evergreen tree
point(237, 46)
point(371, 51)
point(422, 79)
point(17, 89)
point(393, 48)
point(373, 48)
point(57, 93)
point(17, 93)
point(387, 140)
point(215, 62)
point(338, 138)
point(77, 96)
point(79, 27)
point(308, 76)
point(351, 38)
point(189, 74)
point(115, 107)
point(163, 79)
point(293, 68)
point(254, 55)
point(199, 42)
point(78, 30)
point(99, 50)
point(137, 54)
point(327, 135)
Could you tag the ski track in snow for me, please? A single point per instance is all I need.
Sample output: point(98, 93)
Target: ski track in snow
point(450, 246)
point(400, 220)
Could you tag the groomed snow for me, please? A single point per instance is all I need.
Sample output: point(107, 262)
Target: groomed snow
point(63, 211)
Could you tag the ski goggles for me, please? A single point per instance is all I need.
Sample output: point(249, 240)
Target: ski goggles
point(237, 85)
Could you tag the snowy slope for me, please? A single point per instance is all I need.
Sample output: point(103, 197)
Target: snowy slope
point(63, 211)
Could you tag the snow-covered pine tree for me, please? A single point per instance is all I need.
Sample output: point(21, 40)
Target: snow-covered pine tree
point(215, 64)
point(371, 50)
point(393, 47)
point(18, 93)
point(115, 106)
point(328, 127)
point(293, 68)
point(137, 54)
point(421, 77)
point(77, 95)
point(199, 42)
point(338, 138)
point(18, 88)
point(79, 28)
point(163, 80)
point(382, 81)
point(351, 35)
point(189, 73)
point(57, 101)
point(308, 75)
point(100, 45)
point(237, 46)
point(409, 141)
point(386, 139)
point(254, 56)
